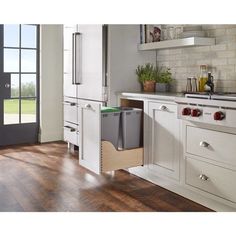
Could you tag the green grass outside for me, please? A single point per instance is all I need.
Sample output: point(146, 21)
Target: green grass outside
point(11, 106)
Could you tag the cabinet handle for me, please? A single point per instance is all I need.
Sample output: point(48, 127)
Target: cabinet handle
point(70, 128)
point(76, 62)
point(163, 108)
point(204, 144)
point(203, 177)
point(88, 106)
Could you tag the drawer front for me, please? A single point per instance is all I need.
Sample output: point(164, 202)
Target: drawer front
point(71, 134)
point(211, 178)
point(70, 112)
point(211, 144)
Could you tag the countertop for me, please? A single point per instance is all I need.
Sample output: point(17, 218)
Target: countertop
point(153, 95)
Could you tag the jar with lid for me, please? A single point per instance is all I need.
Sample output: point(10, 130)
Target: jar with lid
point(203, 78)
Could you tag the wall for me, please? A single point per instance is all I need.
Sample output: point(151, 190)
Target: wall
point(124, 58)
point(220, 57)
point(51, 83)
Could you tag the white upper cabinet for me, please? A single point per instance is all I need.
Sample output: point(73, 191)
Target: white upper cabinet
point(91, 50)
point(70, 90)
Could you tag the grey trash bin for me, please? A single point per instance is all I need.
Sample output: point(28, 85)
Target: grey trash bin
point(131, 127)
point(110, 124)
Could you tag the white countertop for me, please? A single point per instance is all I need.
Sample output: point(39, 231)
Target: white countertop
point(170, 96)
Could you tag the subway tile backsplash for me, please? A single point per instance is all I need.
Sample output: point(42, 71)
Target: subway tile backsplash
point(221, 59)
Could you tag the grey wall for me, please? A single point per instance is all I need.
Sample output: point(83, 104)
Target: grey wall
point(124, 58)
point(51, 83)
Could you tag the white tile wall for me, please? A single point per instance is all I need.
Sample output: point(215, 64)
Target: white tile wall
point(221, 59)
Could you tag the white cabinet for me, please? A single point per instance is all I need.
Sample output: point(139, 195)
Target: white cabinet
point(70, 90)
point(98, 155)
point(90, 135)
point(164, 149)
point(92, 53)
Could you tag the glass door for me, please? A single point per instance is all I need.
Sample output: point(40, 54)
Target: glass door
point(19, 84)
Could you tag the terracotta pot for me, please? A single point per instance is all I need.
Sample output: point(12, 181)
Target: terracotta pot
point(149, 86)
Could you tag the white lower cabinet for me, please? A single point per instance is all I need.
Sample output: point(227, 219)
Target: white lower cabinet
point(211, 178)
point(98, 155)
point(210, 164)
point(71, 133)
point(164, 139)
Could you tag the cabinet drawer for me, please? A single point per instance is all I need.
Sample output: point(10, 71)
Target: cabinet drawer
point(70, 112)
point(211, 144)
point(220, 181)
point(71, 134)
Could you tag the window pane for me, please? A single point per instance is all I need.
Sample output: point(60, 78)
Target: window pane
point(14, 85)
point(11, 35)
point(28, 110)
point(11, 60)
point(11, 111)
point(28, 61)
point(28, 36)
point(28, 85)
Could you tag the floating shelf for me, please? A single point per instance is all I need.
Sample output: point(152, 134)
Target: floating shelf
point(177, 43)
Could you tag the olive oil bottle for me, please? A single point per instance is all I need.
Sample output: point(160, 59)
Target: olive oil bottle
point(203, 78)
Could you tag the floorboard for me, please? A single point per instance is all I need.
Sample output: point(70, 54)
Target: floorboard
point(48, 177)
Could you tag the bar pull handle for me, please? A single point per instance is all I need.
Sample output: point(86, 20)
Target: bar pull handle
point(76, 58)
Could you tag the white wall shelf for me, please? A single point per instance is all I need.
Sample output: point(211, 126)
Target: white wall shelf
point(177, 43)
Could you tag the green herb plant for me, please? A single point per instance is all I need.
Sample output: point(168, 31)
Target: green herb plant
point(164, 75)
point(146, 72)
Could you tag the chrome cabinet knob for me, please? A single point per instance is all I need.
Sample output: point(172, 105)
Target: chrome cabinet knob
point(203, 177)
point(88, 106)
point(204, 144)
point(163, 108)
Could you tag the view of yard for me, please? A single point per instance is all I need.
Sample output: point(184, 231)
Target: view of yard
point(11, 106)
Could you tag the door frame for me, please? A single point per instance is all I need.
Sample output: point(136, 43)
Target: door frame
point(17, 133)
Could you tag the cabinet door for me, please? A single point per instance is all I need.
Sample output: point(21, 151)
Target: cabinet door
point(90, 135)
point(70, 90)
point(164, 131)
point(91, 50)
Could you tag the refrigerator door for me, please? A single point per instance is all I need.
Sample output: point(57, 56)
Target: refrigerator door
point(91, 52)
point(70, 89)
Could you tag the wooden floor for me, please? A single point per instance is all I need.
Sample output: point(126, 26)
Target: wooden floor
point(48, 178)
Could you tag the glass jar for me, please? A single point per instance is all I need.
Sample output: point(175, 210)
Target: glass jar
point(189, 85)
point(203, 78)
point(194, 84)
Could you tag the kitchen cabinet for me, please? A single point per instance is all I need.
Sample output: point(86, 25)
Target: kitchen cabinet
point(69, 89)
point(164, 130)
point(98, 155)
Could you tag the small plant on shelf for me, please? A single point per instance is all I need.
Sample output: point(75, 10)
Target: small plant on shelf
point(147, 76)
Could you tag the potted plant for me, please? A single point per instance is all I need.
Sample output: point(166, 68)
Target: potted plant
point(163, 80)
point(147, 77)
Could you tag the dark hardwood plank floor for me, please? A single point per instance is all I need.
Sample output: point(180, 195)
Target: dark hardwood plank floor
point(48, 177)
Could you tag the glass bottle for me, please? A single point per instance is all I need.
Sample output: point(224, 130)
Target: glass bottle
point(203, 78)
point(189, 85)
point(194, 84)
